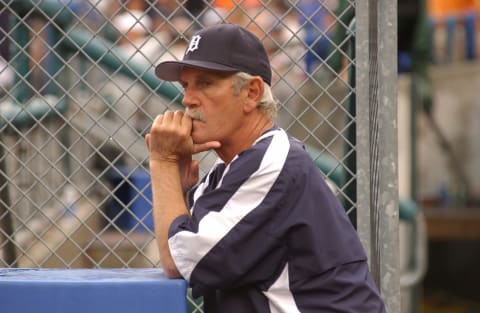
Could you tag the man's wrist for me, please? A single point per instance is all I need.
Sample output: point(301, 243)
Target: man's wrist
point(165, 159)
point(164, 162)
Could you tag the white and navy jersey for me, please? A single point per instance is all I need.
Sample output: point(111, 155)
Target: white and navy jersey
point(266, 234)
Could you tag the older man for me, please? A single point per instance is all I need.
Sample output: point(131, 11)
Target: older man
point(261, 232)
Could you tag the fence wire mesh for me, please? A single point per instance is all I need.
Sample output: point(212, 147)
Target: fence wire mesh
point(78, 94)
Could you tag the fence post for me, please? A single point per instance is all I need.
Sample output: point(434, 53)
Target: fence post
point(377, 187)
point(6, 222)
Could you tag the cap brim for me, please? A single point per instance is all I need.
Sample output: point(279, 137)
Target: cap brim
point(170, 70)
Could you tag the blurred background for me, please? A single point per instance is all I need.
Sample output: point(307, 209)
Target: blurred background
point(78, 93)
point(445, 159)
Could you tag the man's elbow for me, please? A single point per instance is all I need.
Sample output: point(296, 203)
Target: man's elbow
point(171, 270)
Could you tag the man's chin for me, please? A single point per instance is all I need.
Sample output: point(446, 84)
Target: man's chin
point(197, 139)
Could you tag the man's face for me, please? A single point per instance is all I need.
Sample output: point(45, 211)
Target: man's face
point(209, 99)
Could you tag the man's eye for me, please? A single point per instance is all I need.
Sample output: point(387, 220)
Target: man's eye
point(204, 83)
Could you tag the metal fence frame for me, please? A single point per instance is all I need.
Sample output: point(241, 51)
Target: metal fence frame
point(377, 176)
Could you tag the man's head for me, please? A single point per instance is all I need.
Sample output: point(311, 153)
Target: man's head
point(225, 48)
point(226, 78)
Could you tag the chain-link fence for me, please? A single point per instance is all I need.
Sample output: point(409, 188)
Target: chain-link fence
point(78, 93)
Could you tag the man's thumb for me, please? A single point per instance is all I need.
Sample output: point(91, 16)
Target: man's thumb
point(206, 146)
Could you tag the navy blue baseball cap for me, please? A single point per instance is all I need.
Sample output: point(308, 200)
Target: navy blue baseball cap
point(222, 47)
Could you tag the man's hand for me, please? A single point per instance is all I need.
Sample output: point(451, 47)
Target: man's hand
point(170, 137)
point(170, 140)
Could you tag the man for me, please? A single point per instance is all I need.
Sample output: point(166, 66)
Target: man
point(261, 232)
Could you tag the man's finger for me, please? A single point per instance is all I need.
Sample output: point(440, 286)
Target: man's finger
point(177, 116)
point(158, 120)
point(206, 146)
point(194, 169)
point(147, 141)
point(168, 116)
point(187, 123)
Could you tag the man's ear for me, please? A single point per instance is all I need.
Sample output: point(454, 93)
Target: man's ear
point(254, 94)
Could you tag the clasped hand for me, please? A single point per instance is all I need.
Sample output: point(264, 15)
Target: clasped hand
point(170, 141)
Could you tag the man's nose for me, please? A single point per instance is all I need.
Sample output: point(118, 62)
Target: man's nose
point(189, 99)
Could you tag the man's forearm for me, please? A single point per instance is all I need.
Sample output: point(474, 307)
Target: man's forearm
point(168, 204)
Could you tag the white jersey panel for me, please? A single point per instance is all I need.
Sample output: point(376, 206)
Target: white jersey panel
point(280, 298)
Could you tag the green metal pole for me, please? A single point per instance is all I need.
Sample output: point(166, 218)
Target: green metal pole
point(38, 108)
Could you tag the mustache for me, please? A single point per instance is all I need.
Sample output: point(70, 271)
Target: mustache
point(196, 114)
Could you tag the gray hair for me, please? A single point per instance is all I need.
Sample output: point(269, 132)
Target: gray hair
point(268, 105)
